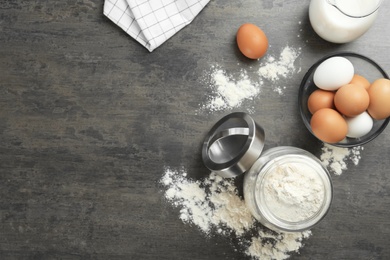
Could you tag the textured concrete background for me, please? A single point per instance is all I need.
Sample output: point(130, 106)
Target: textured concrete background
point(89, 119)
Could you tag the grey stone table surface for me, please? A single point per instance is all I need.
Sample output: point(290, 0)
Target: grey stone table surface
point(89, 119)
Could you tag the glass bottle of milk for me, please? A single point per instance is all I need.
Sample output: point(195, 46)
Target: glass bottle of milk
point(342, 21)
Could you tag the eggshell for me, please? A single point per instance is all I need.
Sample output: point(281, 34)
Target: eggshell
point(333, 73)
point(351, 100)
point(328, 125)
point(379, 93)
point(252, 41)
point(361, 81)
point(359, 125)
point(320, 99)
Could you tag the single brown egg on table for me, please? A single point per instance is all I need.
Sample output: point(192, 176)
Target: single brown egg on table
point(379, 93)
point(351, 100)
point(320, 99)
point(252, 41)
point(361, 81)
point(328, 125)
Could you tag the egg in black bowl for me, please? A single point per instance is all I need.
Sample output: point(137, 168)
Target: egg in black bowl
point(328, 124)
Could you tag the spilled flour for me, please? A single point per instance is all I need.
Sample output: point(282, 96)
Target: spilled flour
point(274, 69)
point(214, 206)
point(335, 158)
point(228, 92)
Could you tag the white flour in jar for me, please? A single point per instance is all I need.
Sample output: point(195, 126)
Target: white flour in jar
point(293, 192)
point(214, 206)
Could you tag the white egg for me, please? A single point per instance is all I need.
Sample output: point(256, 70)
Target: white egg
point(333, 73)
point(359, 125)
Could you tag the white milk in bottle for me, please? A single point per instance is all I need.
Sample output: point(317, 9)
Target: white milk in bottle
point(342, 21)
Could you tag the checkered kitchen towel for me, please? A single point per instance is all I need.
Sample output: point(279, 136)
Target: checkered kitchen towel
point(152, 22)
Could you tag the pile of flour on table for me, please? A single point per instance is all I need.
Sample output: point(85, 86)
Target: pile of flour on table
point(335, 158)
point(230, 91)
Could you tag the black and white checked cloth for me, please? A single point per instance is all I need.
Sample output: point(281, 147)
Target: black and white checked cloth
point(152, 22)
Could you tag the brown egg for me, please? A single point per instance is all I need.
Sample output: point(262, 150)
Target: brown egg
point(379, 93)
point(361, 81)
point(252, 41)
point(351, 100)
point(328, 125)
point(320, 99)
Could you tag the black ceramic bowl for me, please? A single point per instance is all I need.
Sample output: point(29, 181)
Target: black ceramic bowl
point(363, 66)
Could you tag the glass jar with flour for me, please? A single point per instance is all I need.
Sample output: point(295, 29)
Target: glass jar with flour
point(285, 188)
point(342, 21)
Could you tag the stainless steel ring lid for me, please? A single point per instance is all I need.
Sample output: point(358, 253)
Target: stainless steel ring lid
point(233, 145)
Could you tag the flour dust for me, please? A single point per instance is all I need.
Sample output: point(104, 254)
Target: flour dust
point(274, 69)
point(229, 91)
point(335, 159)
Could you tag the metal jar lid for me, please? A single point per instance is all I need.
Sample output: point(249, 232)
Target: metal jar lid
point(233, 145)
